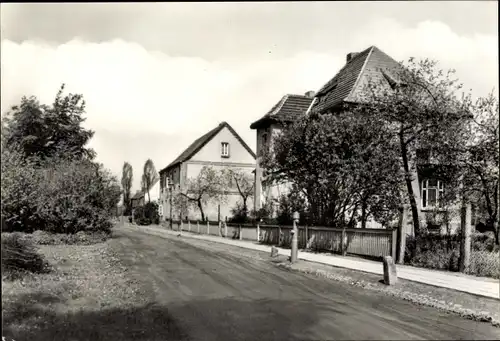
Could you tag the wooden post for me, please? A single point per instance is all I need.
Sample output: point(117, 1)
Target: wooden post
point(198, 224)
point(239, 234)
point(465, 241)
point(279, 235)
point(343, 243)
point(208, 227)
point(220, 228)
point(258, 232)
point(403, 224)
point(306, 237)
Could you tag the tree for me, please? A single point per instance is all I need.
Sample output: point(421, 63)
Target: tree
point(149, 177)
point(48, 130)
point(244, 184)
point(127, 177)
point(420, 107)
point(331, 159)
point(480, 157)
point(206, 187)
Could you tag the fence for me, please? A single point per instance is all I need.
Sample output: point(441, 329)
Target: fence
point(375, 243)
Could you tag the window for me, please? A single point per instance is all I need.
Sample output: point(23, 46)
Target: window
point(224, 149)
point(432, 191)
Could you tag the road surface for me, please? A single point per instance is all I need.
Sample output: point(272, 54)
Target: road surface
point(207, 295)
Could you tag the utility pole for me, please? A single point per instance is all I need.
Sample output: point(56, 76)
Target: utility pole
point(295, 239)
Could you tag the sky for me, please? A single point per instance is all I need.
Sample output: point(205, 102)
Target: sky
point(156, 76)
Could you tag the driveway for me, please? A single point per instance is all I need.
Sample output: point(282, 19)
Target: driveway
point(212, 294)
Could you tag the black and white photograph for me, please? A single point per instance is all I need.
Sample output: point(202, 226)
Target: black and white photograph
point(290, 170)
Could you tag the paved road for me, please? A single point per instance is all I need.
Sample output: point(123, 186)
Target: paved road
point(207, 295)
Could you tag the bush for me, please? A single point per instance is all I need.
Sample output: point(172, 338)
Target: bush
point(147, 214)
point(56, 195)
point(79, 238)
point(485, 264)
point(19, 255)
point(443, 253)
point(239, 215)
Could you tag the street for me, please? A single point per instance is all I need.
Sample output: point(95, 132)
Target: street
point(207, 295)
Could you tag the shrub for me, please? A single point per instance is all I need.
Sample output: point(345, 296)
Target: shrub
point(56, 195)
point(239, 215)
point(485, 264)
point(19, 255)
point(79, 238)
point(147, 214)
point(443, 252)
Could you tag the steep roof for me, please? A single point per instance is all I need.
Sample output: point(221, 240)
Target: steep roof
point(137, 195)
point(347, 85)
point(202, 141)
point(289, 108)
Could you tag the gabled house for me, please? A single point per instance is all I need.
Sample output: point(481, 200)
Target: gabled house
point(220, 148)
point(289, 108)
point(141, 197)
point(348, 87)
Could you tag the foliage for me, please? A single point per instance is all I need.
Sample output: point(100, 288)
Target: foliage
point(442, 252)
point(290, 203)
point(421, 110)
point(149, 177)
point(239, 214)
point(331, 158)
point(127, 178)
point(80, 238)
point(207, 187)
point(480, 156)
point(147, 214)
point(244, 183)
point(19, 254)
point(45, 131)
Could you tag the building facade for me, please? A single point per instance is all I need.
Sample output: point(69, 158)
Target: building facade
point(222, 149)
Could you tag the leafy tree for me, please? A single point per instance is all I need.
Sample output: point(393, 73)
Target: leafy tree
point(48, 130)
point(127, 177)
point(149, 177)
point(480, 156)
point(420, 107)
point(206, 187)
point(339, 163)
point(244, 184)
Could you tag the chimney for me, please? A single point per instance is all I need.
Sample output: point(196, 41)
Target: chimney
point(310, 94)
point(350, 56)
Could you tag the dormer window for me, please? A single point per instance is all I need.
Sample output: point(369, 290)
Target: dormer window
point(224, 149)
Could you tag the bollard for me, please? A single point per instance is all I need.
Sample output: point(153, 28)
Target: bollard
point(240, 237)
point(390, 274)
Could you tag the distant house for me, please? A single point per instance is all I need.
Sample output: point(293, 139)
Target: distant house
point(141, 197)
point(219, 148)
point(347, 87)
point(289, 108)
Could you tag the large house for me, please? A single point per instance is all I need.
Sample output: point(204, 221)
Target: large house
point(347, 87)
point(220, 148)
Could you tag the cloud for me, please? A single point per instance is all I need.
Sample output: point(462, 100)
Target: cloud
point(150, 104)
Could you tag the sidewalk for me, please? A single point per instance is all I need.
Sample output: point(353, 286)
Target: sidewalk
point(475, 285)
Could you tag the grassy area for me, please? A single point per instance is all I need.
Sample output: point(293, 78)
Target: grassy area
point(86, 296)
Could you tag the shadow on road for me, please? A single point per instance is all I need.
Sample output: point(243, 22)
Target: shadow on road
point(214, 319)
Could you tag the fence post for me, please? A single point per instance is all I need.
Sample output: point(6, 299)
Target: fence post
point(306, 237)
point(239, 234)
point(225, 229)
point(394, 243)
point(258, 232)
point(465, 241)
point(403, 223)
point(189, 225)
point(198, 224)
point(343, 242)
point(279, 235)
point(208, 227)
point(220, 228)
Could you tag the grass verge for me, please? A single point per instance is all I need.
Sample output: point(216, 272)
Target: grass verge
point(86, 296)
